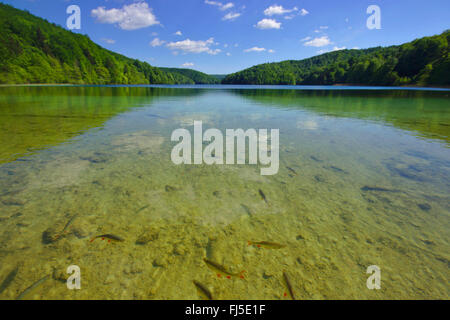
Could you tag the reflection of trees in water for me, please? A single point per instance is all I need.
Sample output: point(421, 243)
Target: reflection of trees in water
point(424, 112)
point(36, 117)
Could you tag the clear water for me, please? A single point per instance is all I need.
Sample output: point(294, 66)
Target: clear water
point(364, 180)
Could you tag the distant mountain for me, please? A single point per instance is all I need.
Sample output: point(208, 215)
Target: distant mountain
point(32, 50)
point(424, 62)
point(197, 76)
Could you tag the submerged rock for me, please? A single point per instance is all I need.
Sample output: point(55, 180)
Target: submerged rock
point(424, 206)
point(319, 178)
point(57, 230)
point(50, 235)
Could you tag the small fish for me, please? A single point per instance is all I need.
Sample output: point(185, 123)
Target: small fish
point(170, 188)
point(142, 209)
point(9, 278)
point(30, 288)
point(221, 269)
point(288, 284)
point(292, 170)
point(246, 209)
point(316, 159)
point(267, 244)
point(110, 238)
point(263, 196)
point(69, 223)
point(380, 189)
point(337, 169)
point(203, 291)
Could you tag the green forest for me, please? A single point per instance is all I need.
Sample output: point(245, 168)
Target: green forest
point(422, 62)
point(197, 76)
point(32, 50)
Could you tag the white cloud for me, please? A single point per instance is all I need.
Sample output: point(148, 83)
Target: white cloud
point(255, 49)
point(187, 64)
point(271, 51)
point(268, 24)
point(227, 6)
point(323, 27)
point(304, 12)
point(157, 43)
point(109, 41)
point(231, 16)
point(228, 54)
point(213, 3)
point(306, 39)
point(318, 42)
point(178, 33)
point(278, 10)
point(130, 17)
point(335, 48)
point(192, 46)
point(221, 6)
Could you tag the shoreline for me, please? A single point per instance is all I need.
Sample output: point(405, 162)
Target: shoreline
point(243, 86)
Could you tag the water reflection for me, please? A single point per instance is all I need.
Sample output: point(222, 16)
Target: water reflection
point(426, 113)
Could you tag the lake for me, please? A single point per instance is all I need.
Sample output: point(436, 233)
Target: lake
point(363, 180)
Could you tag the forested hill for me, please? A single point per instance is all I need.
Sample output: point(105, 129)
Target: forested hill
point(421, 62)
point(197, 76)
point(32, 50)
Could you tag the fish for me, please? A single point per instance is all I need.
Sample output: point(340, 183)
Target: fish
point(336, 169)
point(263, 196)
point(69, 223)
point(142, 209)
point(110, 238)
point(9, 278)
point(33, 286)
point(246, 209)
point(203, 291)
point(267, 244)
point(315, 159)
point(289, 286)
point(380, 189)
point(170, 188)
point(219, 269)
point(292, 170)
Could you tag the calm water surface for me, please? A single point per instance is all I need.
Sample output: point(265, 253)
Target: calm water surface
point(364, 180)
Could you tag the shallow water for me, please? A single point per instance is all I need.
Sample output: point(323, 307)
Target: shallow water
point(363, 180)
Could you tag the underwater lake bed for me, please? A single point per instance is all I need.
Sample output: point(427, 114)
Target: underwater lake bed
point(86, 179)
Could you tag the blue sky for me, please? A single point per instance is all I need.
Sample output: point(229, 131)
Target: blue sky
point(220, 37)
